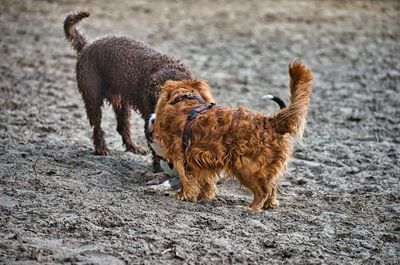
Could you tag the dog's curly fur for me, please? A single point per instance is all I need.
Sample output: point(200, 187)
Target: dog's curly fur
point(248, 145)
point(125, 72)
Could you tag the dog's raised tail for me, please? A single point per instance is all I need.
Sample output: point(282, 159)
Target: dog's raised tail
point(77, 40)
point(276, 99)
point(293, 119)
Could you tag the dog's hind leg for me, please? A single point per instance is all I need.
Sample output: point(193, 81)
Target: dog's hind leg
point(265, 193)
point(253, 184)
point(257, 184)
point(190, 187)
point(93, 111)
point(90, 87)
point(264, 189)
point(123, 114)
point(259, 199)
point(250, 175)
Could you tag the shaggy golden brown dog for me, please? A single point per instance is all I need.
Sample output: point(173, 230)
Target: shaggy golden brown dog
point(248, 145)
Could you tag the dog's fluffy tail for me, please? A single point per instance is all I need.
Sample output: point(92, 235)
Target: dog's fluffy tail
point(293, 119)
point(77, 40)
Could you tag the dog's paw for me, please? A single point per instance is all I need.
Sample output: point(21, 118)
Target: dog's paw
point(103, 152)
point(248, 208)
point(208, 194)
point(207, 197)
point(254, 209)
point(180, 196)
point(136, 150)
point(271, 204)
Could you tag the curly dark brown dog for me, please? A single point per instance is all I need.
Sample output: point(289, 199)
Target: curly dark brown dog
point(125, 72)
point(248, 145)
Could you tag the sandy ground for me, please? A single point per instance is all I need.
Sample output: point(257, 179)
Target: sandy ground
point(340, 198)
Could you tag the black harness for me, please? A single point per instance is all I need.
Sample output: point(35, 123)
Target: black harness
point(187, 96)
point(187, 131)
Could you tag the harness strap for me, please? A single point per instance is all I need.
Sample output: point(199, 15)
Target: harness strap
point(187, 131)
point(187, 96)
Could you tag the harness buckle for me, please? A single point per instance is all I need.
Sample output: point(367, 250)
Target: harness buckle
point(212, 104)
point(192, 114)
point(189, 96)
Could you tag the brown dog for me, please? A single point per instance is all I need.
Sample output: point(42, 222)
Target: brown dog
point(126, 73)
point(248, 145)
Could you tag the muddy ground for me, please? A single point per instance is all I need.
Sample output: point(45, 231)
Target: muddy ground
point(340, 198)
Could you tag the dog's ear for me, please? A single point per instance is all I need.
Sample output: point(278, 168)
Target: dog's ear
point(168, 87)
point(169, 83)
point(202, 88)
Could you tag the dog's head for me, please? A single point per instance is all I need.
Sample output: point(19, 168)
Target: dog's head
point(172, 113)
point(166, 166)
point(149, 127)
point(151, 136)
point(172, 90)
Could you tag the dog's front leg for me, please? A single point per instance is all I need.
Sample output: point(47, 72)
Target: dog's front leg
point(272, 201)
point(208, 185)
point(190, 188)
